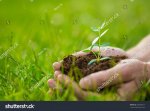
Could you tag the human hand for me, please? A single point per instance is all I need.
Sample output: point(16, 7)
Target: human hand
point(105, 51)
point(128, 74)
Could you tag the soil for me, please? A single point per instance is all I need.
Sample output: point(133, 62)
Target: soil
point(77, 67)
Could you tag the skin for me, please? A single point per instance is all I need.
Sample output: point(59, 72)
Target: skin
point(140, 51)
point(63, 79)
point(131, 73)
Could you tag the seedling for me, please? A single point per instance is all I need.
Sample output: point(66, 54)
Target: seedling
point(97, 42)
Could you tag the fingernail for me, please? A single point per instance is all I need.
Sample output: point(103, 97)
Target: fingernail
point(56, 65)
point(51, 83)
point(59, 77)
point(56, 73)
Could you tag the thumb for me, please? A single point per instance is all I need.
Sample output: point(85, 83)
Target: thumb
point(120, 73)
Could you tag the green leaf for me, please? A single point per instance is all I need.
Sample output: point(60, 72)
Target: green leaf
point(92, 61)
point(104, 32)
point(95, 40)
point(103, 24)
point(105, 58)
point(95, 29)
point(86, 50)
point(96, 52)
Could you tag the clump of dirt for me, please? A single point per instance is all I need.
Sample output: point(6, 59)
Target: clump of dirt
point(77, 67)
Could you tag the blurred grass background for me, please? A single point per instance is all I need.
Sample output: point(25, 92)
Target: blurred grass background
point(48, 30)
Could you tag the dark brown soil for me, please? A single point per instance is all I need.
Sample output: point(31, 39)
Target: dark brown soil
point(77, 67)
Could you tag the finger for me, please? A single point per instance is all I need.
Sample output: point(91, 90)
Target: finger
point(119, 73)
point(127, 90)
point(110, 51)
point(57, 65)
point(105, 51)
point(80, 53)
point(67, 82)
point(54, 86)
point(56, 73)
point(51, 83)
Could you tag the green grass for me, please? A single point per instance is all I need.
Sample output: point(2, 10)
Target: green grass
point(48, 30)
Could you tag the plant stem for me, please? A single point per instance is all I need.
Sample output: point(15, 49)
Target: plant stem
point(94, 54)
point(99, 48)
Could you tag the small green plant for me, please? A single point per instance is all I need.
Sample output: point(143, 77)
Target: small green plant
point(97, 42)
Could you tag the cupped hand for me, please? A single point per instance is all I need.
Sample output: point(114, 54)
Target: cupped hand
point(63, 79)
point(129, 74)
